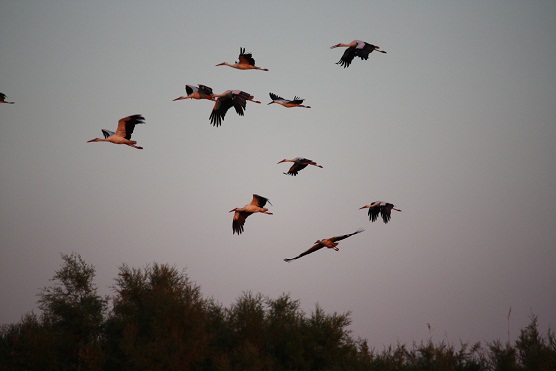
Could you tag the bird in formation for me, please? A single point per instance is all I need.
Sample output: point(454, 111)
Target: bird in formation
point(379, 207)
point(3, 99)
point(197, 92)
point(241, 213)
point(331, 243)
point(356, 48)
point(299, 163)
point(123, 133)
point(296, 102)
point(246, 62)
point(236, 98)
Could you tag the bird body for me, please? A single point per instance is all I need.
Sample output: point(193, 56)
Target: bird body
point(356, 48)
point(330, 243)
point(296, 102)
point(123, 133)
point(246, 62)
point(3, 99)
point(380, 207)
point(299, 163)
point(197, 92)
point(230, 98)
point(241, 213)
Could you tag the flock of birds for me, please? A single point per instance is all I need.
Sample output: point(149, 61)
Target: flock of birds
point(238, 99)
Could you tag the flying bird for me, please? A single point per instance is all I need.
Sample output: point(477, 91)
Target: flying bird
point(379, 207)
point(356, 48)
point(196, 92)
point(296, 102)
point(3, 99)
point(331, 243)
point(246, 62)
point(123, 132)
point(236, 98)
point(299, 163)
point(241, 213)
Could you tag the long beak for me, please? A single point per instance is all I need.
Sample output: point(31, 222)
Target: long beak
point(280, 162)
point(232, 210)
point(271, 102)
point(92, 140)
point(334, 46)
point(364, 207)
point(221, 64)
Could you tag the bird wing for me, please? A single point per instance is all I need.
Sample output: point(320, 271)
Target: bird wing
point(364, 52)
point(275, 97)
point(297, 100)
point(107, 133)
point(239, 100)
point(203, 89)
point(127, 124)
point(245, 58)
point(190, 89)
point(2, 96)
point(374, 211)
point(339, 238)
point(221, 106)
point(312, 249)
point(295, 168)
point(385, 212)
point(239, 221)
point(347, 57)
point(259, 201)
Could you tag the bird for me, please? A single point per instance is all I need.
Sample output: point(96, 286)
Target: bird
point(236, 98)
point(246, 62)
point(299, 163)
point(3, 99)
point(379, 207)
point(196, 92)
point(331, 243)
point(296, 102)
point(356, 48)
point(241, 213)
point(123, 132)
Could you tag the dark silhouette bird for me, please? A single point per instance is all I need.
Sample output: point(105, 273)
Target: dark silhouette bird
point(299, 163)
point(379, 207)
point(246, 62)
point(356, 48)
point(3, 99)
point(331, 243)
point(230, 98)
point(123, 133)
point(196, 92)
point(241, 213)
point(296, 102)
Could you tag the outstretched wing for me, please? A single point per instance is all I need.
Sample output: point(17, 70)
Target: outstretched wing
point(295, 168)
point(347, 57)
point(127, 124)
point(239, 100)
point(107, 133)
point(339, 238)
point(205, 90)
point(259, 201)
point(190, 89)
point(239, 221)
point(221, 106)
point(275, 97)
point(374, 211)
point(245, 58)
point(364, 52)
point(385, 212)
point(314, 248)
point(297, 100)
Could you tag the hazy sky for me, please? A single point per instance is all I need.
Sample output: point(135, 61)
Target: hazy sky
point(456, 125)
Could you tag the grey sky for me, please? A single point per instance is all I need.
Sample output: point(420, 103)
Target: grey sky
point(456, 125)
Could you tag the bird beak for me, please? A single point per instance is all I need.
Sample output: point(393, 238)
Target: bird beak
point(280, 162)
point(179, 98)
point(362, 207)
point(232, 210)
point(92, 140)
point(334, 46)
point(220, 64)
point(271, 102)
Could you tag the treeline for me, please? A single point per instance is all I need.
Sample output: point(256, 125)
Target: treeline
point(157, 319)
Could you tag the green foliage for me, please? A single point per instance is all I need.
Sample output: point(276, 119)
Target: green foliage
point(159, 320)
